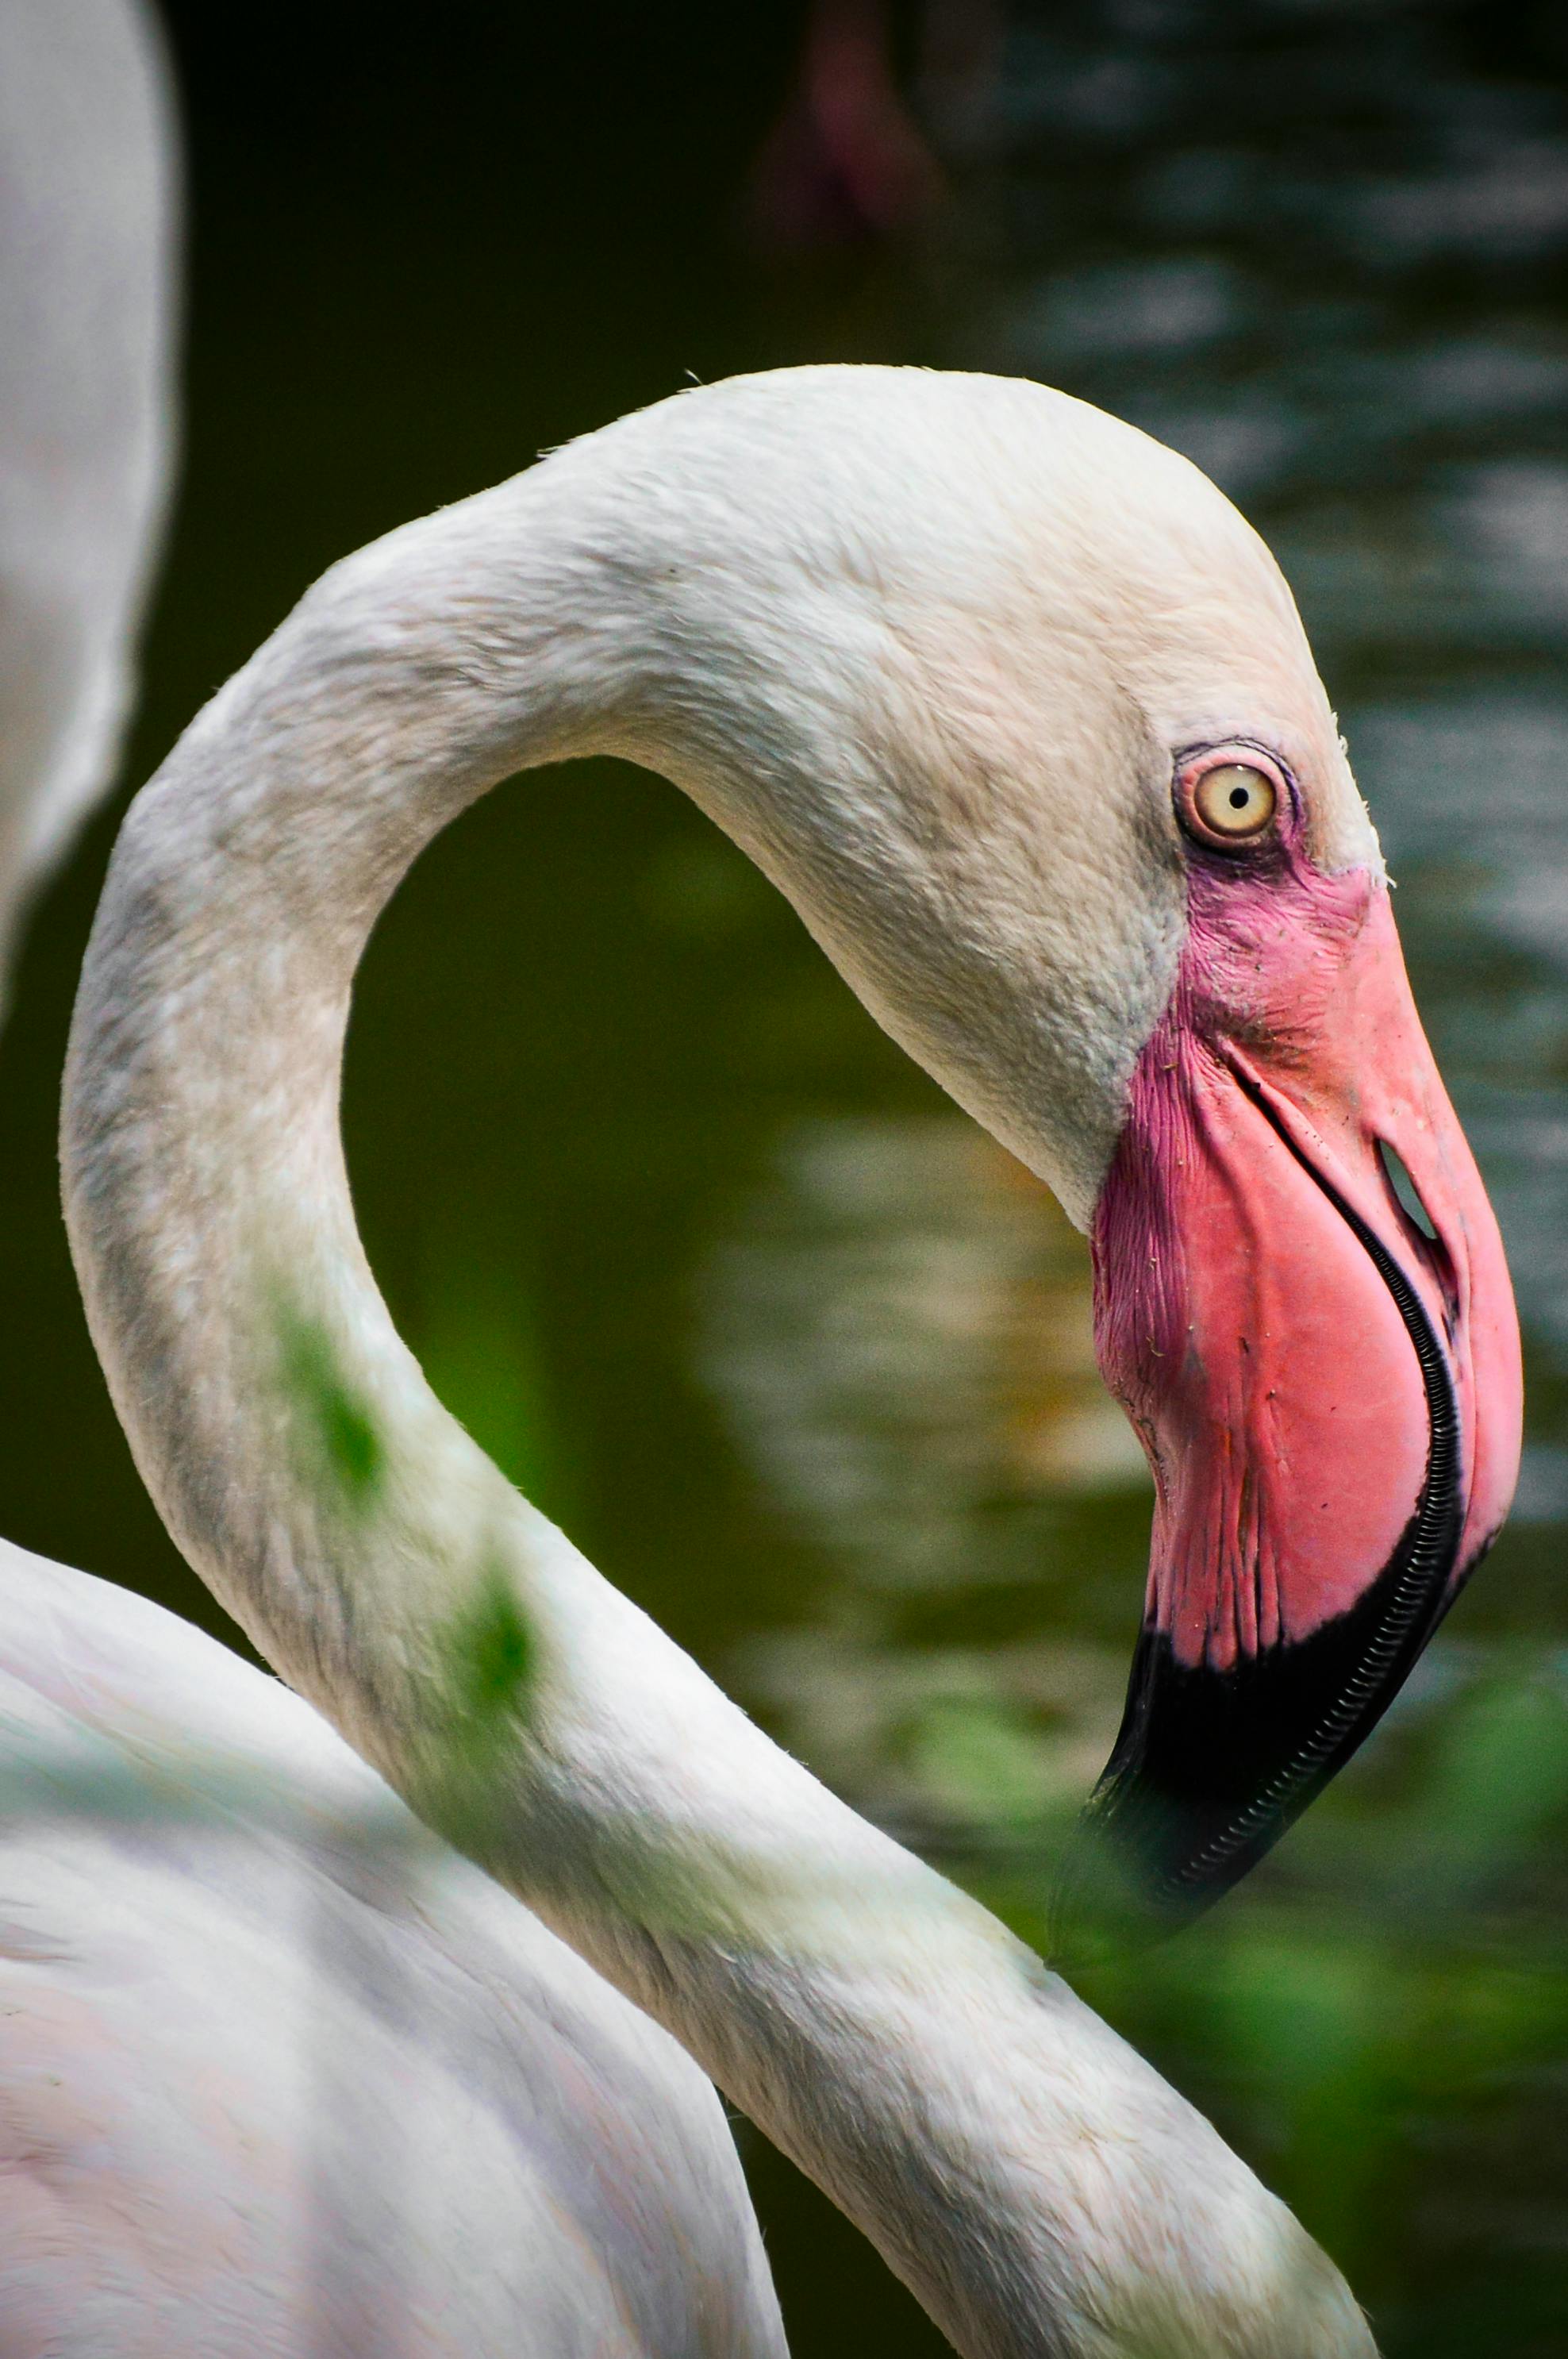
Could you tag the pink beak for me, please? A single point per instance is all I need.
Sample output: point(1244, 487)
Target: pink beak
point(1323, 1370)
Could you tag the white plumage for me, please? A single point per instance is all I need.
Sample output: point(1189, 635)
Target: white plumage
point(281, 2074)
point(923, 645)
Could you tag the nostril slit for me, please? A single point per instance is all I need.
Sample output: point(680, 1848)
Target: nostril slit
point(1405, 1189)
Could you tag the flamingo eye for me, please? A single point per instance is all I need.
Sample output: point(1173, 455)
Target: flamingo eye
point(1227, 801)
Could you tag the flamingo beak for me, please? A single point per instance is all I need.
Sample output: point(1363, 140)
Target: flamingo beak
point(1302, 1303)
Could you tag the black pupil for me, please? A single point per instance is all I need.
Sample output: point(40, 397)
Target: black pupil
point(1239, 797)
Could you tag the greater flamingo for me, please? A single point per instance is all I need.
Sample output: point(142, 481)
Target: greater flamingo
point(1020, 713)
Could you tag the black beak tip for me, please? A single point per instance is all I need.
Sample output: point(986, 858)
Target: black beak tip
point(1145, 1862)
point(1200, 1784)
point(1211, 1766)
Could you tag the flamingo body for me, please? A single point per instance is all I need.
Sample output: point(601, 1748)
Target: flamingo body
point(281, 2073)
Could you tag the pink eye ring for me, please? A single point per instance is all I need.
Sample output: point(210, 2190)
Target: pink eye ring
point(1230, 797)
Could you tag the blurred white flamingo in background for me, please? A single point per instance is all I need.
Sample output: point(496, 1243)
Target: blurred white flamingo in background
point(87, 298)
point(937, 651)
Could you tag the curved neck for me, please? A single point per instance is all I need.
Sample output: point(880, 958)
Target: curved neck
point(955, 2100)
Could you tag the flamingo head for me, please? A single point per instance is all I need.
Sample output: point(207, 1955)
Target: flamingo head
point(1063, 795)
point(1303, 1304)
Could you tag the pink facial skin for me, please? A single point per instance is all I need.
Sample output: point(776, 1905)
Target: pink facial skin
point(1240, 1318)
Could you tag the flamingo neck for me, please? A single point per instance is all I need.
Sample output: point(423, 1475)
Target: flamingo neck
point(1034, 2183)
